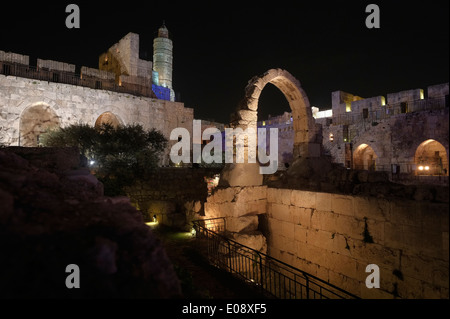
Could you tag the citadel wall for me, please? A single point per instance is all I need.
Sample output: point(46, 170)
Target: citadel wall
point(393, 129)
point(335, 236)
point(73, 104)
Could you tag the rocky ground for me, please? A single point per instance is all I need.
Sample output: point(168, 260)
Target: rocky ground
point(53, 213)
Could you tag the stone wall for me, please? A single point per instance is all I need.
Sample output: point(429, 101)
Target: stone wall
point(55, 65)
point(14, 57)
point(241, 208)
point(394, 140)
point(336, 236)
point(174, 195)
point(74, 104)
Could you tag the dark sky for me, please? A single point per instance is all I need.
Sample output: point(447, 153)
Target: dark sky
point(219, 46)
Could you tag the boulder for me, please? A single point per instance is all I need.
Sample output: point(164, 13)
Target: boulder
point(51, 218)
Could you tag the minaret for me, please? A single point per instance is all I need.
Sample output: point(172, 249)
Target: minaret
point(162, 59)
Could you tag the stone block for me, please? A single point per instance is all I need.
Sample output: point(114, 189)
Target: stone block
point(221, 195)
point(303, 199)
point(342, 204)
point(324, 220)
point(300, 233)
point(279, 211)
point(404, 213)
point(394, 236)
point(372, 208)
point(256, 207)
point(376, 254)
point(274, 226)
point(272, 195)
point(342, 264)
point(241, 174)
point(349, 284)
point(242, 224)
point(323, 201)
point(300, 215)
point(287, 229)
point(285, 196)
point(213, 210)
point(349, 226)
point(251, 193)
point(318, 238)
point(254, 240)
point(409, 288)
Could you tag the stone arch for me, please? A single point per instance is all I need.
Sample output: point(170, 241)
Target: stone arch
point(34, 121)
point(305, 142)
point(431, 158)
point(108, 117)
point(365, 158)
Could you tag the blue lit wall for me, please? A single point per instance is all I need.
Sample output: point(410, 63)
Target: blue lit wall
point(161, 93)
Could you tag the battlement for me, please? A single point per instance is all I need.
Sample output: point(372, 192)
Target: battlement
point(120, 70)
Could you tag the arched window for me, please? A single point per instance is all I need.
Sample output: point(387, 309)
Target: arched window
point(35, 121)
point(431, 159)
point(107, 118)
point(364, 158)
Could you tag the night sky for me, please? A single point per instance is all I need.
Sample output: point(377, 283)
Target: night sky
point(219, 46)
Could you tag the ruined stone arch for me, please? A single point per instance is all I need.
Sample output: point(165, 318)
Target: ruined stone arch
point(34, 121)
point(431, 158)
point(305, 144)
point(365, 157)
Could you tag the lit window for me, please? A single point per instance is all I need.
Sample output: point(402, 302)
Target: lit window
point(331, 137)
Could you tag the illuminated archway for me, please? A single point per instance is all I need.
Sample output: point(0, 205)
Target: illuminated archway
point(306, 145)
point(303, 122)
point(35, 121)
point(364, 158)
point(108, 118)
point(431, 158)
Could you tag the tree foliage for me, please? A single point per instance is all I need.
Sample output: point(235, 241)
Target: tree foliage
point(119, 156)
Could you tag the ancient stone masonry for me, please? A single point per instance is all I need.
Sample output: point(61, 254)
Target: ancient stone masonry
point(381, 134)
point(240, 206)
point(336, 236)
point(34, 99)
point(174, 195)
point(333, 222)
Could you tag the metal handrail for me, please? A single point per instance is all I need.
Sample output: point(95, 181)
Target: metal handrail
point(273, 277)
point(64, 77)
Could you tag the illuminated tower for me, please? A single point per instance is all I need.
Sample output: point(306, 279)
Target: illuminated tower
point(162, 59)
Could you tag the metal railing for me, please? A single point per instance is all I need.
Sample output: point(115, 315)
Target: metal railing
point(272, 277)
point(43, 74)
